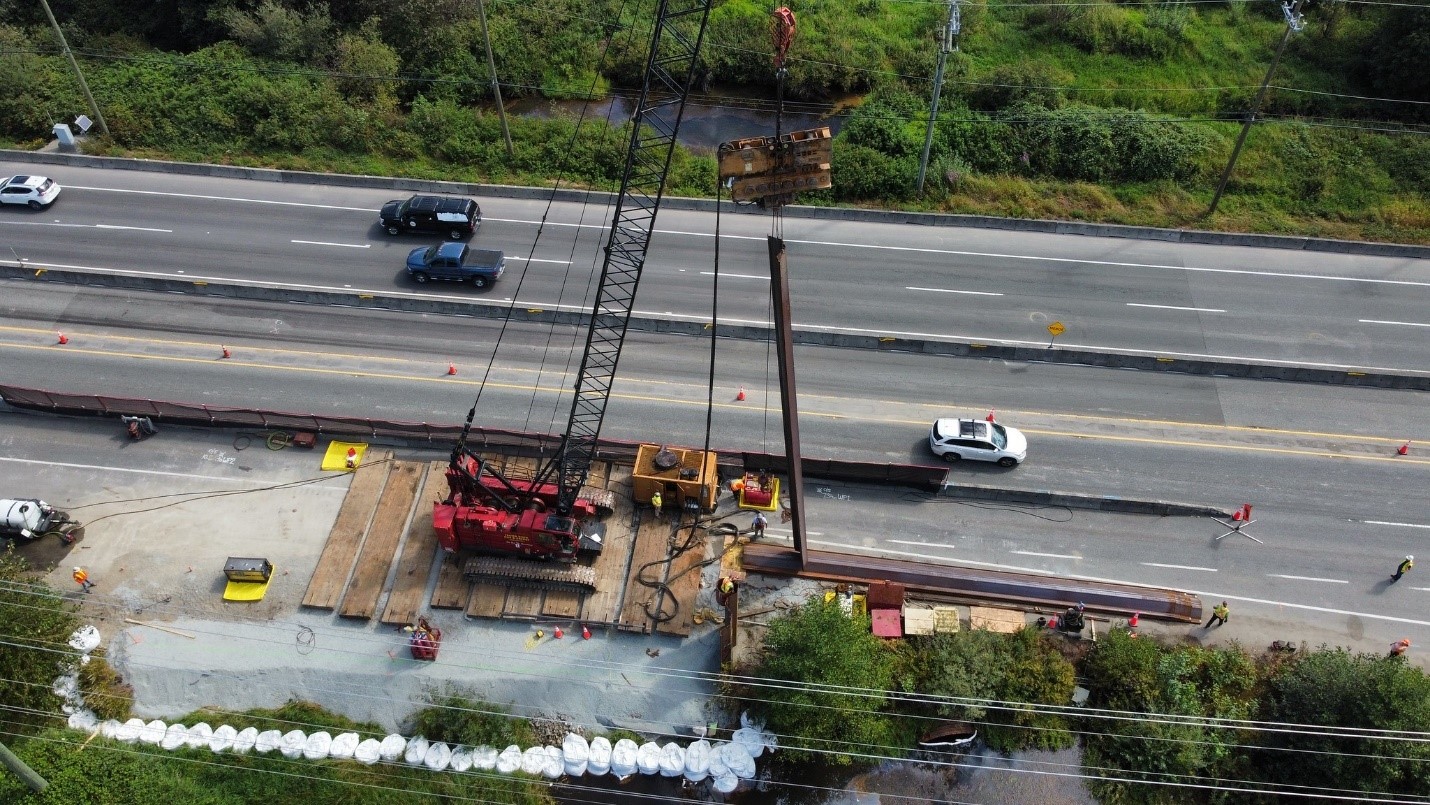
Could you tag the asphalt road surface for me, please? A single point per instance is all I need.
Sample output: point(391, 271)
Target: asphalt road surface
point(1260, 305)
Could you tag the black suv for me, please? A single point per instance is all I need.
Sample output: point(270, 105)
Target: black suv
point(455, 218)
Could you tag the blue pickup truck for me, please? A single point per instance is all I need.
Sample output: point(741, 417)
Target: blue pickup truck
point(456, 262)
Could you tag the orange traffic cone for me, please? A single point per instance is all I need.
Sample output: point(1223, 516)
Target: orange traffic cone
point(585, 633)
point(1132, 621)
point(1403, 450)
point(64, 339)
point(451, 369)
point(558, 634)
point(989, 418)
point(351, 460)
point(738, 397)
point(226, 353)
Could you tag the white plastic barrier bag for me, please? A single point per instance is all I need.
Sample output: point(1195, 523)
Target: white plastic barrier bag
point(623, 758)
point(533, 759)
point(344, 745)
point(293, 744)
point(554, 764)
point(461, 759)
point(222, 739)
point(509, 760)
point(83, 721)
point(245, 740)
point(267, 741)
point(317, 745)
point(484, 758)
point(392, 747)
point(754, 737)
point(717, 762)
point(128, 732)
point(368, 752)
point(697, 760)
point(85, 639)
point(576, 751)
point(174, 737)
point(737, 760)
point(672, 760)
point(598, 760)
point(416, 751)
point(199, 735)
point(109, 727)
point(725, 783)
point(438, 756)
point(648, 758)
point(153, 732)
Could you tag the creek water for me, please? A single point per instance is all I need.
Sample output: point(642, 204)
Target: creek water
point(707, 123)
point(982, 776)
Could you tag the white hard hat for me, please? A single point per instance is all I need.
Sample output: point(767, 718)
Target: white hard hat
point(78, 569)
point(1409, 558)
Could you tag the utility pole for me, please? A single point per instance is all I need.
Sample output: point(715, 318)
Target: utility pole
point(496, 86)
point(74, 65)
point(950, 44)
point(26, 774)
point(1293, 24)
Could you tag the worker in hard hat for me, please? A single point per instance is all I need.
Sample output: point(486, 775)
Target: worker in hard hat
point(723, 588)
point(82, 579)
point(658, 503)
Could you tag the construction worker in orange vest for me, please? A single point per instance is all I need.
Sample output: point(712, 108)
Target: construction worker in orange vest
point(82, 579)
point(1398, 647)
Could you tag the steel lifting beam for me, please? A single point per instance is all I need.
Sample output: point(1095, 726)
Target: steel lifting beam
point(1025, 589)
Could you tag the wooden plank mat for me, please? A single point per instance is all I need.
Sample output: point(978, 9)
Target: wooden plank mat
point(487, 601)
point(651, 545)
point(325, 589)
point(452, 589)
point(995, 619)
point(604, 605)
point(405, 601)
point(562, 604)
point(684, 587)
point(522, 602)
point(378, 549)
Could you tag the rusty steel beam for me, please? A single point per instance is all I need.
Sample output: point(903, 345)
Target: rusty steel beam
point(789, 405)
point(1025, 589)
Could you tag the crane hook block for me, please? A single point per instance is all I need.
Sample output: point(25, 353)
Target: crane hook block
point(783, 29)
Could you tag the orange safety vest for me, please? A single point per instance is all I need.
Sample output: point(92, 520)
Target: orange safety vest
point(80, 577)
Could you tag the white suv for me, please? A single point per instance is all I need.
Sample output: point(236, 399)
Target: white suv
point(37, 191)
point(979, 440)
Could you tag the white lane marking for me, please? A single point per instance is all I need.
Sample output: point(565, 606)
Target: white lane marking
point(1371, 615)
point(915, 542)
point(951, 290)
point(785, 532)
point(1180, 567)
point(1402, 323)
point(1307, 578)
point(1048, 555)
point(1401, 525)
point(1422, 589)
point(727, 275)
point(1175, 307)
point(191, 475)
point(133, 228)
point(326, 243)
point(222, 198)
point(539, 260)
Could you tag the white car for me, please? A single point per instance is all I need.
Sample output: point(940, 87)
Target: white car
point(37, 191)
point(978, 440)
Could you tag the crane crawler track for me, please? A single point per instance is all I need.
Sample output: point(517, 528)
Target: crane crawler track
point(510, 572)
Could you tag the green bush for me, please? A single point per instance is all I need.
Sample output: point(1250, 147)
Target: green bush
point(103, 689)
point(456, 719)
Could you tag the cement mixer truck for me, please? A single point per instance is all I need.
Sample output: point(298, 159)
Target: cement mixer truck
point(28, 520)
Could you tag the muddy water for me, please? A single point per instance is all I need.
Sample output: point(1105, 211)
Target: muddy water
point(712, 120)
point(981, 777)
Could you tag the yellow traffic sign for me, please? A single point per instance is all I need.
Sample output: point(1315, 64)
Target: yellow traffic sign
point(1056, 328)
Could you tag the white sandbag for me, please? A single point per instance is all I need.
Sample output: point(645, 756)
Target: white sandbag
point(175, 736)
point(755, 738)
point(648, 758)
point(438, 756)
point(244, 741)
point(222, 739)
point(737, 760)
point(598, 761)
point(533, 759)
point(66, 686)
point(83, 721)
point(509, 761)
point(623, 758)
point(416, 751)
point(293, 744)
point(317, 745)
point(725, 783)
point(267, 741)
point(461, 759)
point(153, 732)
point(199, 735)
point(484, 758)
point(344, 745)
point(108, 727)
point(672, 760)
point(717, 762)
point(128, 732)
point(85, 639)
point(368, 752)
point(575, 750)
point(749, 739)
point(554, 764)
point(697, 760)
point(392, 747)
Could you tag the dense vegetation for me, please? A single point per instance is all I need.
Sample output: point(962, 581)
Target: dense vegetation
point(999, 681)
point(1102, 111)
